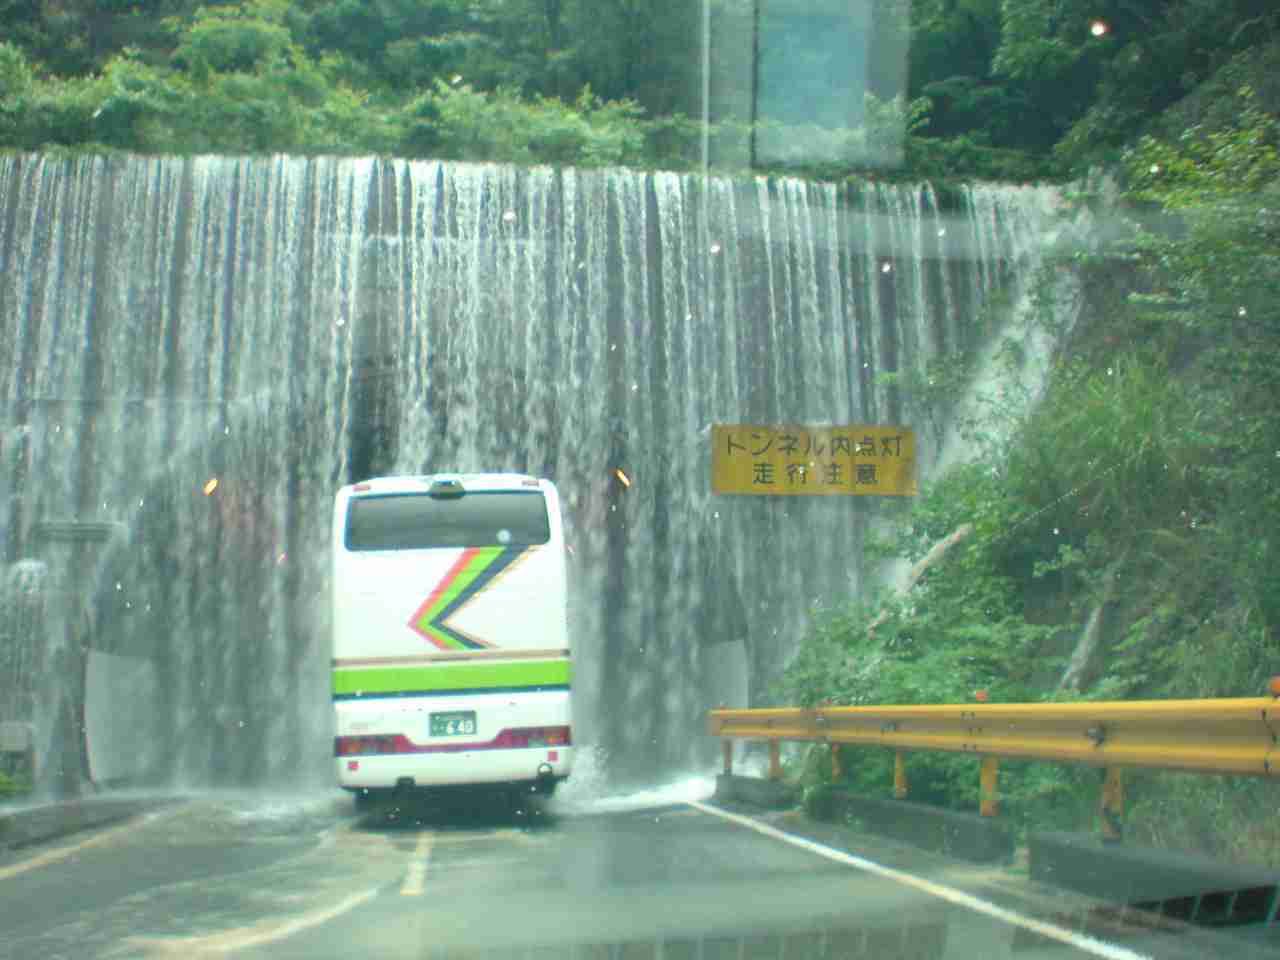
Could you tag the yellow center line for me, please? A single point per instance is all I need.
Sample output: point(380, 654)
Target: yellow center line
point(62, 853)
point(415, 881)
point(257, 935)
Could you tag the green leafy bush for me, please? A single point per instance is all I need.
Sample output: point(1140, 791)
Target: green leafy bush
point(460, 122)
point(11, 788)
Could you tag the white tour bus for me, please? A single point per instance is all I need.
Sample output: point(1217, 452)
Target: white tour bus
point(451, 659)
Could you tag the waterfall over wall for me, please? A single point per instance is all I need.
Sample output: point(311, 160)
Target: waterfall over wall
point(287, 325)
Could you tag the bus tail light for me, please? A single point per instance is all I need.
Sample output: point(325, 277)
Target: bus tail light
point(363, 746)
point(531, 737)
point(517, 738)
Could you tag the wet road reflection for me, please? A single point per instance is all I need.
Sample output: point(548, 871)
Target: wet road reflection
point(307, 878)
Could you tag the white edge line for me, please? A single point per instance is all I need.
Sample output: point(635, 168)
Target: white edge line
point(1091, 945)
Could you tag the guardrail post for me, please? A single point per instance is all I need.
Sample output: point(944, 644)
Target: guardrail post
point(775, 760)
point(900, 785)
point(726, 747)
point(837, 768)
point(1111, 805)
point(989, 803)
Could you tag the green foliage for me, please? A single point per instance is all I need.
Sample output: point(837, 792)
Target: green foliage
point(16, 75)
point(12, 788)
point(960, 630)
point(1214, 817)
point(35, 115)
point(236, 39)
point(471, 125)
point(1144, 486)
point(1011, 91)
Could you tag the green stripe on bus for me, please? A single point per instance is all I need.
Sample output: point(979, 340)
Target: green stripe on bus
point(461, 676)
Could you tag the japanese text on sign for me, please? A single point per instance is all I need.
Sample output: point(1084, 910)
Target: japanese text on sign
point(813, 461)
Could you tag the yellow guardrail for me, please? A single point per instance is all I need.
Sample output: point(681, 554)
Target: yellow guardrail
point(1227, 736)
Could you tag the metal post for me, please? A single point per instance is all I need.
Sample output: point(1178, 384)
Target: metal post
point(1111, 805)
point(837, 768)
point(775, 760)
point(706, 88)
point(989, 804)
point(726, 746)
point(755, 82)
point(899, 775)
point(1275, 907)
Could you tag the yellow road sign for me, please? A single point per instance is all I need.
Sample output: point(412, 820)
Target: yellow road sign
point(813, 461)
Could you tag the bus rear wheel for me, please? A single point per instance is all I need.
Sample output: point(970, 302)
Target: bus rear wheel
point(367, 801)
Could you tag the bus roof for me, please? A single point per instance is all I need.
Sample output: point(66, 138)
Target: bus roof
point(421, 483)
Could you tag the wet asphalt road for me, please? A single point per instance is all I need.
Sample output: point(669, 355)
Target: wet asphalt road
point(257, 877)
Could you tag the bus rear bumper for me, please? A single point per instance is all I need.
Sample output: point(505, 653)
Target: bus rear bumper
point(537, 767)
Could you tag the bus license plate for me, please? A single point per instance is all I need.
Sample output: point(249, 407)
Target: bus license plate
point(456, 723)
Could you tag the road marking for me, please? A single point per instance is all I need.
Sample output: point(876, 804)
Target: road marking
point(1097, 948)
point(415, 881)
point(98, 839)
point(255, 936)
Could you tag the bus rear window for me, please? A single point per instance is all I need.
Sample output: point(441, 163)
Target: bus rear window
point(418, 521)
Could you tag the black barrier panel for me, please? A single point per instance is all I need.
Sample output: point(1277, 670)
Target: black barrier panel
point(1181, 887)
point(903, 941)
point(965, 836)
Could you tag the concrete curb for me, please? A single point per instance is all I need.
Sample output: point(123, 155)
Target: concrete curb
point(756, 792)
point(964, 836)
point(34, 825)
